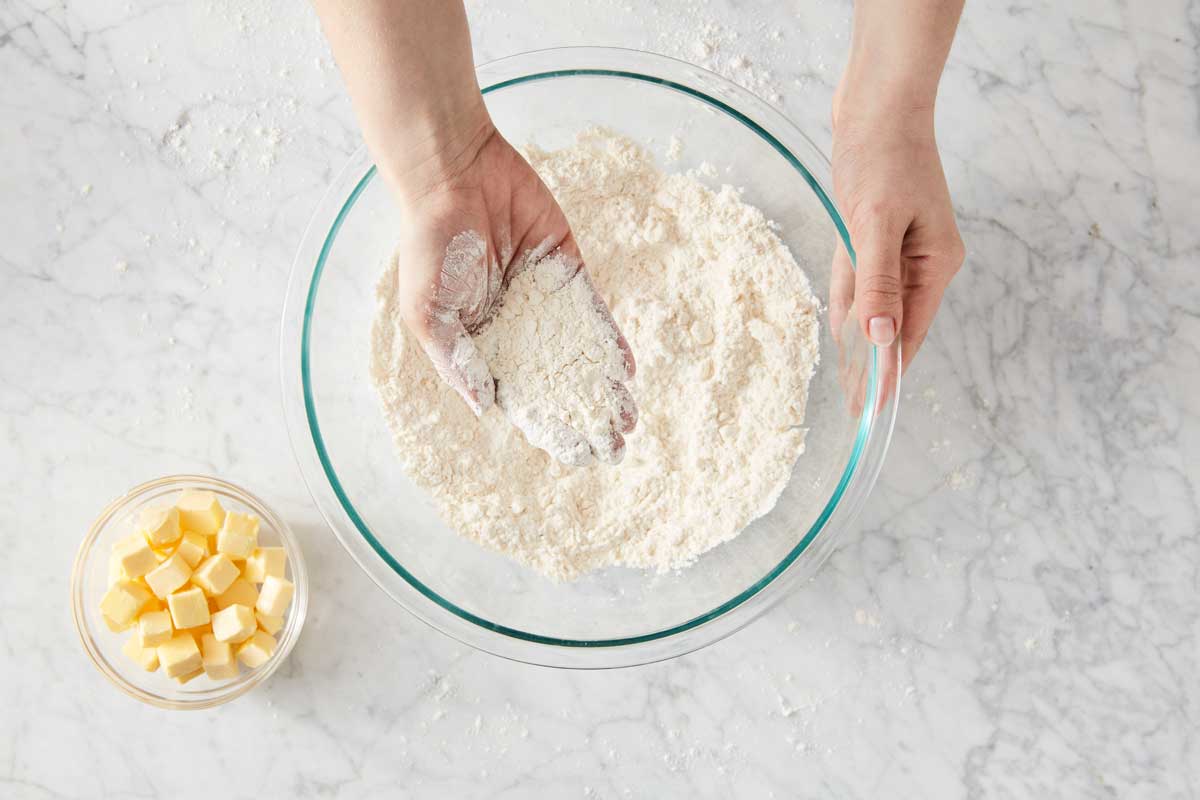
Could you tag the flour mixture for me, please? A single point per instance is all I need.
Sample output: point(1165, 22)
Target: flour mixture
point(725, 331)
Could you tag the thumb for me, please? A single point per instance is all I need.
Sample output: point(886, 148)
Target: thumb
point(878, 280)
point(458, 361)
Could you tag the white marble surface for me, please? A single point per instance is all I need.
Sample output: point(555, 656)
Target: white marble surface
point(1017, 615)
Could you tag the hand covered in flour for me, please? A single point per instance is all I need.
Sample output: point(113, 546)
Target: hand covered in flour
point(493, 286)
point(475, 217)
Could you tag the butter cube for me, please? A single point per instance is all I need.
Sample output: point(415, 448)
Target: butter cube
point(189, 608)
point(193, 547)
point(154, 628)
point(219, 661)
point(275, 596)
point(240, 591)
point(168, 576)
point(197, 633)
point(234, 624)
point(238, 535)
point(116, 572)
point(182, 679)
point(255, 651)
point(135, 555)
point(216, 574)
point(144, 657)
point(268, 623)
point(266, 561)
point(200, 512)
point(117, 627)
point(123, 602)
point(160, 526)
point(180, 656)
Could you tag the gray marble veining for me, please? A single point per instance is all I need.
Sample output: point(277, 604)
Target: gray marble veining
point(1017, 615)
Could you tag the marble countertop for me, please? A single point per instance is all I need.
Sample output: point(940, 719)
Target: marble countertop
point(1016, 614)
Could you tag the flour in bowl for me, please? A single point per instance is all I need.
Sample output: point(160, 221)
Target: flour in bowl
point(724, 327)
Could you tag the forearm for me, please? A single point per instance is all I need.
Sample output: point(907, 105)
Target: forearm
point(897, 53)
point(408, 68)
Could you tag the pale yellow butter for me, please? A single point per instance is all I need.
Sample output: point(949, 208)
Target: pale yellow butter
point(268, 623)
point(257, 650)
point(116, 572)
point(117, 627)
point(240, 591)
point(123, 602)
point(219, 661)
point(218, 621)
point(193, 547)
point(180, 656)
point(266, 561)
point(189, 608)
point(216, 574)
point(154, 628)
point(182, 679)
point(160, 526)
point(168, 576)
point(238, 535)
point(144, 657)
point(275, 596)
point(135, 556)
point(200, 511)
point(234, 624)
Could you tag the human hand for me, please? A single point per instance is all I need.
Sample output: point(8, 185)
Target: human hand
point(474, 214)
point(469, 228)
point(888, 180)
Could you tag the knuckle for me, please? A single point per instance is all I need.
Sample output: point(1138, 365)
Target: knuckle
point(871, 217)
point(881, 289)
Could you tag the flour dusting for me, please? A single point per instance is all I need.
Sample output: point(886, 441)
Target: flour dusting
point(556, 361)
point(725, 330)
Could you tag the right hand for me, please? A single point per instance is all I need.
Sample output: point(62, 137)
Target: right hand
point(465, 227)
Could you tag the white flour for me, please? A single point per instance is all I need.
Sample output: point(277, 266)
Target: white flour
point(724, 328)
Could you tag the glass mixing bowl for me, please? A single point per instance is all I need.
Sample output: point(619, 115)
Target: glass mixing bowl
point(615, 617)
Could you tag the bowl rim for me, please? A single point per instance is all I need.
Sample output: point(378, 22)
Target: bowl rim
point(222, 693)
point(872, 434)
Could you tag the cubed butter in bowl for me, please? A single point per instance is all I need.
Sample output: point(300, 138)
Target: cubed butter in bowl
point(188, 591)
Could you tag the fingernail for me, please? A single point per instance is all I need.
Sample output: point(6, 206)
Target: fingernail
point(882, 331)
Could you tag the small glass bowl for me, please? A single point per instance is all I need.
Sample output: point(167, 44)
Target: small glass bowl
point(89, 580)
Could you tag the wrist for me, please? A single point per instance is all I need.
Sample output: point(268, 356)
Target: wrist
point(432, 146)
point(883, 104)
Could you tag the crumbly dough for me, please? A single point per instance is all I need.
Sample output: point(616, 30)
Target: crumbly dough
point(724, 327)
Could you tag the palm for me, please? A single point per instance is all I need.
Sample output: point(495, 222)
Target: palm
point(499, 196)
point(459, 247)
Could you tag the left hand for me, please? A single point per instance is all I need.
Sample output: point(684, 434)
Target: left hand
point(888, 180)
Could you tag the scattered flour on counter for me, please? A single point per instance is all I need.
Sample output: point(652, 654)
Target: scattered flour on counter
point(724, 327)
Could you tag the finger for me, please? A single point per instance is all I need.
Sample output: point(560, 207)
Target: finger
point(889, 374)
point(841, 290)
point(627, 413)
point(458, 361)
point(610, 449)
point(561, 441)
point(922, 298)
point(544, 431)
point(568, 249)
point(605, 315)
point(878, 282)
